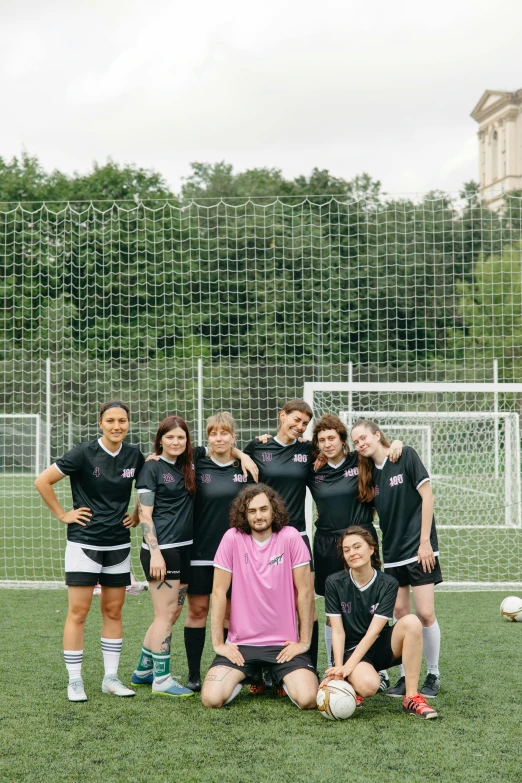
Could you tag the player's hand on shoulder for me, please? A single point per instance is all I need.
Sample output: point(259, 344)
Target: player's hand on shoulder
point(79, 516)
point(394, 453)
point(263, 438)
point(320, 462)
point(152, 458)
point(230, 651)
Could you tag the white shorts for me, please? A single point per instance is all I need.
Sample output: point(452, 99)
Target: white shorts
point(86, 566)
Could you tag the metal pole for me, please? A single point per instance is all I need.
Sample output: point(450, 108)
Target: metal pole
point(200, 402)
point(350, 397)
point(48, 411)
point(70, 443)
point(495, 409)
point(37, 444)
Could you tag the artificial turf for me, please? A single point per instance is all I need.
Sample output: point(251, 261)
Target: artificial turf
point(264, 738)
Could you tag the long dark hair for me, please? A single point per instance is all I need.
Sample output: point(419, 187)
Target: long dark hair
point(366, 464)
point(329, 422)
point(239, 507)
point(185, 460)
point(358, 530)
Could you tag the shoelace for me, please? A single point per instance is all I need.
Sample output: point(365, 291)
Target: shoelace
point(77, 686)
point(417, 701)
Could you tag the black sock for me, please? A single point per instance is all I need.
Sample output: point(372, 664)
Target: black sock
point(194, 644)
point(314, 644)
point(225, 634)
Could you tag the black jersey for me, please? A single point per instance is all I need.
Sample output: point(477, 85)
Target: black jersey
point(102, 481)
point(399, 507)
point(359, 605)
point(173, 505)
point(285, 469)
point(216, 487)
point(334, 490)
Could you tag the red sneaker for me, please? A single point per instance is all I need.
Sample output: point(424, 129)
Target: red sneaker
point(257, 688)
point(417, 705)
point(359, 701)
point(278, 690)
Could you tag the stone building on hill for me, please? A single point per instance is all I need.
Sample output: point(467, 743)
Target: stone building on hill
point(499, 116)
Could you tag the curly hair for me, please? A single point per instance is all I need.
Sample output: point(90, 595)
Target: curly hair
point(329, 422)
point(240, 504)
point(358, 530)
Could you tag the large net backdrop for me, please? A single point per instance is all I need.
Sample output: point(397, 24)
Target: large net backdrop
point(206, 306)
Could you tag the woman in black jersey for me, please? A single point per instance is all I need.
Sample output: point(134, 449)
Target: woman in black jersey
point(98, 539)
point(403, 498)
point(219, 478)
point(359, 602)
point(166, 490)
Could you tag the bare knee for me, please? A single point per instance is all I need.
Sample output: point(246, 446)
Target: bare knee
point(306, 700)
point(112, 610)
point(197, 614)
point(368, 685)
point(211, 700)
point(427, 617)
point(78, 614)
point(410, 623)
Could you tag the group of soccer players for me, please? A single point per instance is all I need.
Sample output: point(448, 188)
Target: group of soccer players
point(209, 528)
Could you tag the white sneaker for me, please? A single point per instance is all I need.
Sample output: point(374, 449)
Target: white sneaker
point(76, 691)
point(111, 684)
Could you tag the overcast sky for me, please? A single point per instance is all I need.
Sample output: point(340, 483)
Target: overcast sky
point(383, 86)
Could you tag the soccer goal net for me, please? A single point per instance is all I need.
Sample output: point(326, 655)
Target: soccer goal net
point(472, 452)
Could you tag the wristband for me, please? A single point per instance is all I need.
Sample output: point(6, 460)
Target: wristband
point(305, 645)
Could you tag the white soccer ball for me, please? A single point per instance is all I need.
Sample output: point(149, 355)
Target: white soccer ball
point(336, 700)
point(511, 609)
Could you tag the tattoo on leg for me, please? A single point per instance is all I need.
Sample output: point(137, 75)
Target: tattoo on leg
point(182, 595)
point(164, 583)
point(218, 673)
point(165, 645)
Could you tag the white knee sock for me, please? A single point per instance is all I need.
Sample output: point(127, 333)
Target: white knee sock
point(73, 663)
point(431, 642)
point(286, 691)
point(403, 673)
point(234, 693)
point(111, 649)
point(328, 643)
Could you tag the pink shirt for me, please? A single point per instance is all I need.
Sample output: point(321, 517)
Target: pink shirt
point(263, 608)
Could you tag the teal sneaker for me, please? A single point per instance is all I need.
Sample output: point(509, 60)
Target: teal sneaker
point(142, 678)
point(170, 687)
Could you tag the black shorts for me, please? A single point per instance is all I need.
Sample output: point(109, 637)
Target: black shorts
point(327, 559)
point(177, 560)
point(380, 655)
point(257, 658)
point(201, 580)
point(307, 542)
point(413, 575)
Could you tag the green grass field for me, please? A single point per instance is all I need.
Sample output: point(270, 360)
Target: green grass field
point(264, 739)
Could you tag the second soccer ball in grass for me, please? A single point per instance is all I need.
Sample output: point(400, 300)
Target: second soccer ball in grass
point(511, 609)
point(336, 700)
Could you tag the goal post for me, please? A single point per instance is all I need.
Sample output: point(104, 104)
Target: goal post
point(473, 457)
point(22, 444)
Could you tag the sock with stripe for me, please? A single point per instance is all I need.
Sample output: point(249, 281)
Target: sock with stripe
point(194, 644)
point(161, 666)
point(73, 663)
point(145, 663)
point(111, 649)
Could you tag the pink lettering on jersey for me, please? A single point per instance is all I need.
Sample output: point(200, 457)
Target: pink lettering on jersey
point(168, 478)
point(206, 478)
point(266, 456)
point(96, 472)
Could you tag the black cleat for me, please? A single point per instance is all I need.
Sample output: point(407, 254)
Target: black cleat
point(431, 686)
point(399, 689)
point(194, 682)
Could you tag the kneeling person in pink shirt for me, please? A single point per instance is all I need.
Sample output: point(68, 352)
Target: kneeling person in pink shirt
point(270, 567)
